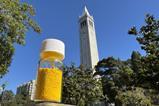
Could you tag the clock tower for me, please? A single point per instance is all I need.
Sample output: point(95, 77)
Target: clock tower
point(88, 44)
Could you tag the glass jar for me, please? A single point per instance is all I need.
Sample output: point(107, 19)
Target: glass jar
point(49, 77)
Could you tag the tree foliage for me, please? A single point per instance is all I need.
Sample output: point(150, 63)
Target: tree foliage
point(7, 98)
point(148, 38)
point(131, 81)
point(15, 21)
point(80, 87)
point(134, 97)
point(116, 76)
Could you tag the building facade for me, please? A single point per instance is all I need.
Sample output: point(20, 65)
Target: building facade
point(88, 43)
point(27, 88)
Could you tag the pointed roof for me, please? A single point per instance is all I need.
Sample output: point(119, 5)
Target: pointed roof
point(85, 12)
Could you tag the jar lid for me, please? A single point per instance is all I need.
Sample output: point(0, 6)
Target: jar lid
point(53, 45)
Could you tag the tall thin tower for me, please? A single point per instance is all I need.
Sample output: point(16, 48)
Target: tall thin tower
point(88, 44)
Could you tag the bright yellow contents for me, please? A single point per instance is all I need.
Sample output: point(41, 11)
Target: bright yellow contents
point(49, 84)
point(51, 54)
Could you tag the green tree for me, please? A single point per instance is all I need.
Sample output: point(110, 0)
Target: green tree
point(106, 68)
point(134, 97)
point(20, 100)
point(6, 97)
point(115, 76)
point(23, 100)
point(121, 79)
point(15, 21)
point(118, 79)
point(136, 62)
point(148, 38)
point(80, 87)
point(138, 67)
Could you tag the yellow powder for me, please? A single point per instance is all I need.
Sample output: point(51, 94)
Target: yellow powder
point(49, 84)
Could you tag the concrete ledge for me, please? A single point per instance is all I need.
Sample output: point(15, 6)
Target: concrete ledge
point(51, 104)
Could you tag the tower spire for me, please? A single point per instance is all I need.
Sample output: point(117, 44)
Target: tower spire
point(85, 11)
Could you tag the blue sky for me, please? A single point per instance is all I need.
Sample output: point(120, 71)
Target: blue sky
point(59, 19)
